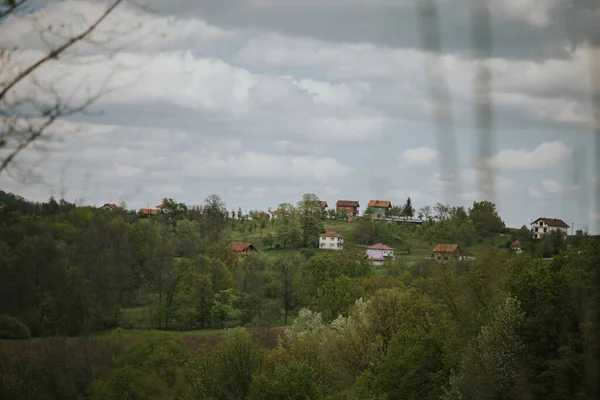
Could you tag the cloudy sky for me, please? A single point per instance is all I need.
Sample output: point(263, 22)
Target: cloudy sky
point(260, 101)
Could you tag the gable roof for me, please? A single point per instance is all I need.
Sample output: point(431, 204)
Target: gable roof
point(445, 248)
point(110, 205)
point(516, 244)
point(149, 211)
point(332, 234)
point(554, 222)
point(323, 204)
point(380, 203)
point(241, 246)
point(379, 246)
point(347, 203)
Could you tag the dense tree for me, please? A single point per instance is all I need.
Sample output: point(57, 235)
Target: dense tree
point(287, 273)
point(493, 366)
point(485, 218)
point(174, 210)
point(311, 219)
point(407, 209)
point(288, 226)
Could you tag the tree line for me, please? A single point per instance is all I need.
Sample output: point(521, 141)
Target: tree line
point(501, 327)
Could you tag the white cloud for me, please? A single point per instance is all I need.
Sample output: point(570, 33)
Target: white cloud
point(417, 197)
point(260, 166)
point(551, 188)
point(417, 157)
point(128, 27)
point(537, 13)
point(546, 155)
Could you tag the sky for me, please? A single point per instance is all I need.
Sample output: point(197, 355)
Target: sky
point(260, 101)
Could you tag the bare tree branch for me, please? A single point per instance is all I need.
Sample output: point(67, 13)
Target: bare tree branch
point(56, 52)
point(11, 6)
point(45, 98)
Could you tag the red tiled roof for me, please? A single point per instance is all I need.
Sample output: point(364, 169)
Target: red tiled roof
point(554, 222)
point(110, 205)
point(332, 234)
point(149, 211)
point(380, 246)
point(324, 204)
point(377, 259)
point(240, 246)
point(380, 203)
point(275, 211)
point(515, 244)
point(445, 248)
point(347, 203)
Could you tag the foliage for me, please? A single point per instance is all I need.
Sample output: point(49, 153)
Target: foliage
point(288, 227)
point(295, 381)
point(485, 218)
point(12, 328)
point(501, 325)
point(233, 364)
point(492, 368)
point(151, 368)
point(311, 219)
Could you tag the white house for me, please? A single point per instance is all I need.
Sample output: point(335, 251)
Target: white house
point(331, 241)
point(543, 226)
point(379, 253)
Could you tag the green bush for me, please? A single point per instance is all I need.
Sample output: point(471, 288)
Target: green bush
point(12, 328)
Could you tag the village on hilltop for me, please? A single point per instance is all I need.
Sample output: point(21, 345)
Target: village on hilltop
point(377, 210)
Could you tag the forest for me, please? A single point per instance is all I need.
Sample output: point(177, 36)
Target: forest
point(503, 326)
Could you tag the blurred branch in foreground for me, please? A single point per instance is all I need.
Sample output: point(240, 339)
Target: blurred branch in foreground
point(31, 99)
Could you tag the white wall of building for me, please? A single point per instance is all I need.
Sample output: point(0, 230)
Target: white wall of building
point(331, 243)
point(540, 228)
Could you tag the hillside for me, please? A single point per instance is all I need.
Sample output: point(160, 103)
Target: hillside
point(419, 248)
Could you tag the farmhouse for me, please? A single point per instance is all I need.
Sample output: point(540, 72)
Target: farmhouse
point(149, 212)
point(451, 253)
point(543, 226)
point(349, 206)
point(109, 206)
point(379, 253)
point(379, 208)
point(331, 241)
point(242, 249)
point(515, 247)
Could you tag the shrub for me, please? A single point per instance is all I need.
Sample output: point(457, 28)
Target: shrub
point(12, 328)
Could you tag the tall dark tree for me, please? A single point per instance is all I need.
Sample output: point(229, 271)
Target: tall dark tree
point(408, 210)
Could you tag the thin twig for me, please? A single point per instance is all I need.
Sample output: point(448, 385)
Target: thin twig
point(56, 52)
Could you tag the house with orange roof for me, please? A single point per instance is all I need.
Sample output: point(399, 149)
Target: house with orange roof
point(447, 253)
point(149, 212)
point(109, 206)
point(379, 253)
point(349, 206)
point(331, 241)
point(242, 249)
point(379, 208)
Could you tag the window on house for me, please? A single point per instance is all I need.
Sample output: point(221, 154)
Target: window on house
point(446, 257)
point(545, 230)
